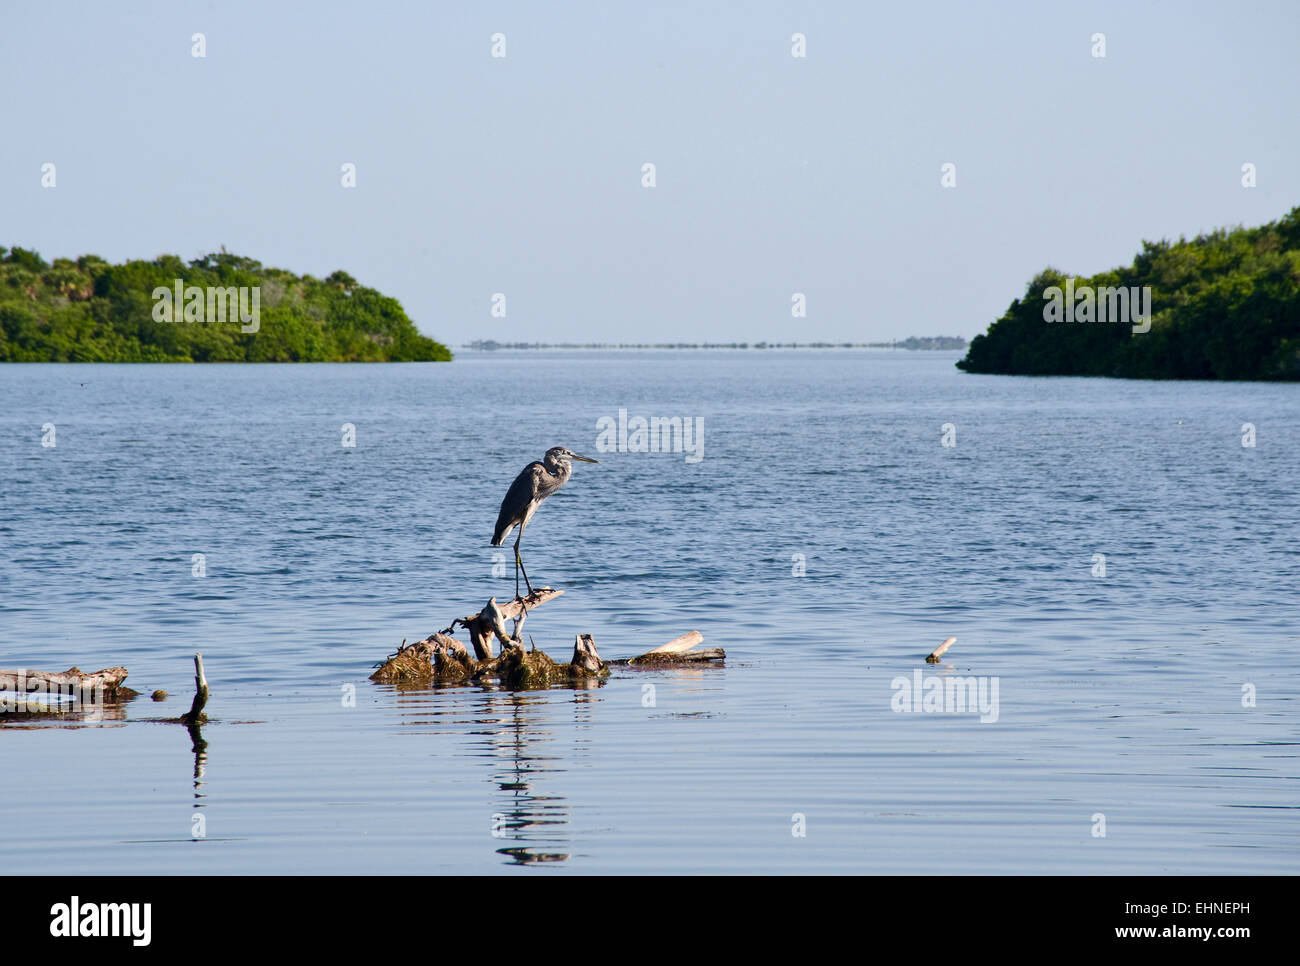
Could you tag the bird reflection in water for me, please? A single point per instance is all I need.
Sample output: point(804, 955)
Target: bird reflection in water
point(536, 824)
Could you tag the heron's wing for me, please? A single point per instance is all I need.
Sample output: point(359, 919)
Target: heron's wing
point(523, 492)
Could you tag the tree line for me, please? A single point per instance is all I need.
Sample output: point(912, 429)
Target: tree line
point(1224, 305)
point(87, 310)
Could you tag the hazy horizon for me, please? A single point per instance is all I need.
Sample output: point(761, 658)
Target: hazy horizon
point(775, 174)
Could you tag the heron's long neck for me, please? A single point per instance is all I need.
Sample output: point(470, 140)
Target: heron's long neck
point(560, 469)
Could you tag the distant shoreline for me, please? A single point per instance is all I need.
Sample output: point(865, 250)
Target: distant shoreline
point(911, 344)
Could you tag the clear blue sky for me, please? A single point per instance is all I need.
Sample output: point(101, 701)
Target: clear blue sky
point(775, 175)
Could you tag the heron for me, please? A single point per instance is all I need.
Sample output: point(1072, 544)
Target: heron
point(538, 480)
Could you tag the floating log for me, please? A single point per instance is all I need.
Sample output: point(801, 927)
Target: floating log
point(25, 680)
point(679, 651)
point(26, 693)
point(490, 621)
point(679, 644)
point(938, 651)
point(675, 658)
point(441, 659)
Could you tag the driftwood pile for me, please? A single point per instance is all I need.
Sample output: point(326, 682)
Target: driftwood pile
point(442, 659)
point(74, 694)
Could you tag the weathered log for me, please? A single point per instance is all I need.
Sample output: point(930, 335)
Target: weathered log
point(482, 628)
point(678, 644)
point(670, 659)
point(938, 651)
point(516, 632)
point(26, 693)
point(489, 623)
point(441, 659)
point(585, 657)
point(25, 680)
point(678, 651)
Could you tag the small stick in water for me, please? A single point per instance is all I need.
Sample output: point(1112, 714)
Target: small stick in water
point(195, 715)
point(938, 651)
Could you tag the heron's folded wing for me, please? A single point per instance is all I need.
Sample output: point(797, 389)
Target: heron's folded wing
point(523, 491)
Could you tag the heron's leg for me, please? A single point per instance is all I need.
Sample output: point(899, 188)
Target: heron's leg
point(526, 582)
point(519, 566)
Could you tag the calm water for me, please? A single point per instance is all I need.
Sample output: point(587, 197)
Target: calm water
point(1119, 695)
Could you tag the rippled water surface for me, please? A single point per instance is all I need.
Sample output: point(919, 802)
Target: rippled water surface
point(1125, 695)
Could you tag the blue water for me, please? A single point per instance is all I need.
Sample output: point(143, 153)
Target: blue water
point(1119, 696)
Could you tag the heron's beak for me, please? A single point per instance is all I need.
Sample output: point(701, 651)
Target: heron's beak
point(585, 459)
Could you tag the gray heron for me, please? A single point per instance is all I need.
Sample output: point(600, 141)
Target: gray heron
point(537, 481)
